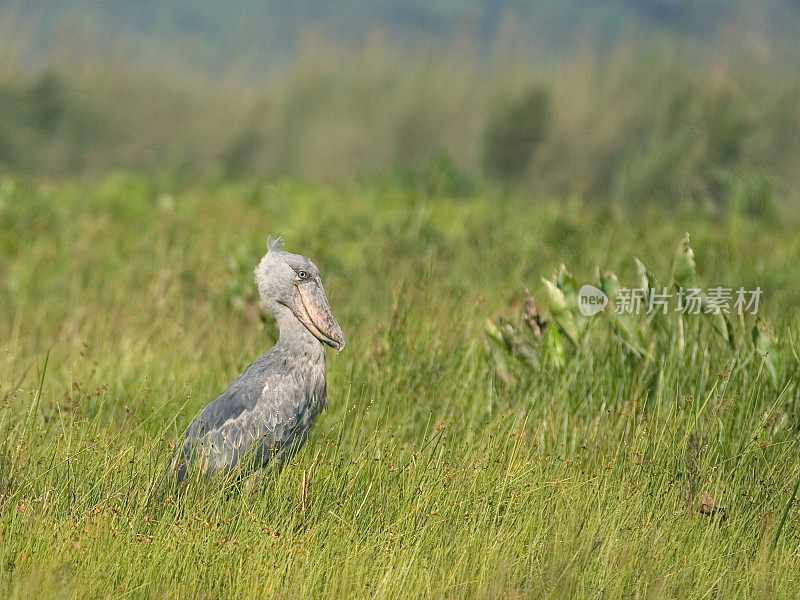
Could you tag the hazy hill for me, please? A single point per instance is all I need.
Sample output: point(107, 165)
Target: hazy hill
point(214, 33)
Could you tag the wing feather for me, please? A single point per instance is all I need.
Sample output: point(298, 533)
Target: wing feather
point(260, 412)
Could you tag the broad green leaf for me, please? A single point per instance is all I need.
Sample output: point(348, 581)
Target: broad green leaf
point(565, 281)
point(646, 279)
point(685, 266)
point(766, 344)
point(567, 323)
point(499, 352)
point(554, 347)
point(609, 284)
point(720, 323)
point(555, 298)
point(655, 319)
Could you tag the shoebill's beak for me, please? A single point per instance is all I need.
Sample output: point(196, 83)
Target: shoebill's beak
point(314, 312)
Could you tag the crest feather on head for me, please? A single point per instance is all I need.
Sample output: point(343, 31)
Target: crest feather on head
point(274, 244)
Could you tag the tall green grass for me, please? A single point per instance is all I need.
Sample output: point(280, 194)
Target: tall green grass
point(124, 309)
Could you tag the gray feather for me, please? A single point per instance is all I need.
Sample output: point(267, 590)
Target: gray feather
point(264, 414)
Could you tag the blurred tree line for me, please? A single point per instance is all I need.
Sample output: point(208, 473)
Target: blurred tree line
point(647, 121)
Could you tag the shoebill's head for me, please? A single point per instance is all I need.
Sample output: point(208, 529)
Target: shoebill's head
point(290, 281)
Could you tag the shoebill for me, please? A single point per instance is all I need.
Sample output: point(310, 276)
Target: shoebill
point(266, 413)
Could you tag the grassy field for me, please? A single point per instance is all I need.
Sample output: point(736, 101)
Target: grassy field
point(432, 474)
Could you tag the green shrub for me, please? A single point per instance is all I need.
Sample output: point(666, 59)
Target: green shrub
point(515, 133)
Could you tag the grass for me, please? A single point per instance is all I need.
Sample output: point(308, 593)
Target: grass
point(126, 309)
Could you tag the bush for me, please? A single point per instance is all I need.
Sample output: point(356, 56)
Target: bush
point(514, 134)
